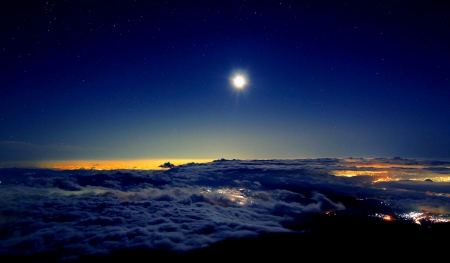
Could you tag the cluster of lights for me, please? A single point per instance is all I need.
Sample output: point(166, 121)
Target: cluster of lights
point(390, 176)
point(397, 179)
point(441, 179)
point(416, 217)
point(349, 173)
point(241, 196)
point(438, 194)
point(385, 179)
point(384, 216)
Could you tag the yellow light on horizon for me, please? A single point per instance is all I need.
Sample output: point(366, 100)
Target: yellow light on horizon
point(138, 164)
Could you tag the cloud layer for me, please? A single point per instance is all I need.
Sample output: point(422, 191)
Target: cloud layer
point(74, 213)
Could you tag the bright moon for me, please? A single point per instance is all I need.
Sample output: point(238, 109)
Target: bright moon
point(239, 81)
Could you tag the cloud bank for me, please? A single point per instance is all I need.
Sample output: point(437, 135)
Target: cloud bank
point(84, 212)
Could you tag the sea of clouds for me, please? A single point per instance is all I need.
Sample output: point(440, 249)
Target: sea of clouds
point(88, 212)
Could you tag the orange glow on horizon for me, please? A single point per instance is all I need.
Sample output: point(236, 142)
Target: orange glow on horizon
point(140, 164)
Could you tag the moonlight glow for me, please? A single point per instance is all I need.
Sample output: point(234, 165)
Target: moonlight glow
point(239, 81)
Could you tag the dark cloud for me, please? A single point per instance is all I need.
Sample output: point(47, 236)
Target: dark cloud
point(167, 165)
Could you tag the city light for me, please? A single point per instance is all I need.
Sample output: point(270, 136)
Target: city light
point(416, 217)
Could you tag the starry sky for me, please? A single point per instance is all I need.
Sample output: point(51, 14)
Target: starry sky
point(152, 79)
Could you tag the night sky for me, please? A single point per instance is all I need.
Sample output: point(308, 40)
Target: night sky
point(153, 79)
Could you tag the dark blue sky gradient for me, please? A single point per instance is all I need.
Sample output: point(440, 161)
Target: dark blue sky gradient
point(134, 79)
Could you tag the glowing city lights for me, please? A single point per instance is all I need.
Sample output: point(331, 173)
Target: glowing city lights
point(416, 217)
